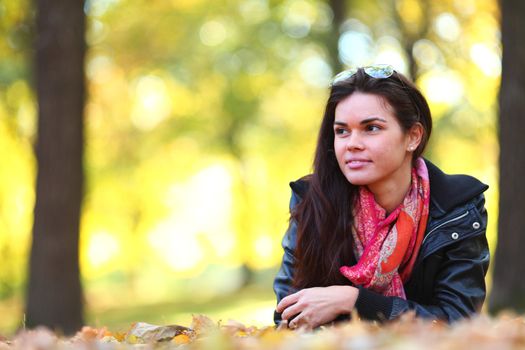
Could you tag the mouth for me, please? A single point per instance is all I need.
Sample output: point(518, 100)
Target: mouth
point(357, 163)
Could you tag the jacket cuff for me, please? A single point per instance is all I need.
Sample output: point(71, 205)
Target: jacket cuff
point(373, 306)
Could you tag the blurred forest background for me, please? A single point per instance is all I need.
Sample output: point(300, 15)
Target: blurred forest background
point(197, 115)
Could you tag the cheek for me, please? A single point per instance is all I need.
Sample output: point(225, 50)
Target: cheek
point(339, 149)
point(392, 146)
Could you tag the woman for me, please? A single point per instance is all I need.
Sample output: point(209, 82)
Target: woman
point(376, 228)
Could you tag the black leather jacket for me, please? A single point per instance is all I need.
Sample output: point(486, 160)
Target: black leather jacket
point(448, 279)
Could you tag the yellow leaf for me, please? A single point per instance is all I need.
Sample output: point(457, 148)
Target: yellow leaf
point(181, 339)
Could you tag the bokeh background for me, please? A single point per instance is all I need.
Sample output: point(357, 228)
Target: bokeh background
point(198, 115)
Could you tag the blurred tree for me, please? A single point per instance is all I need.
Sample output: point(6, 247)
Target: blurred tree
point(338, 8)
point(54, 296)
point(412, 31)
point(508, 289)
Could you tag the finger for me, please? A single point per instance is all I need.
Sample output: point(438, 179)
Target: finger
point(296, 322)
point(293, 323)
point(287, 301)
point(282, 325)
point(301, 322)
point(292, 311)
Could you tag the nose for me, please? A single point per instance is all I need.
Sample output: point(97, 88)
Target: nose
point(354, 142)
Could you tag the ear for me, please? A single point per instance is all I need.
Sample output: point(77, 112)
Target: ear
point(415, 134)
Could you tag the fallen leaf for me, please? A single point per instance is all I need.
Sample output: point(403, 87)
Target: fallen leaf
point(202, 324)
point(142, 332)
point(181, 339)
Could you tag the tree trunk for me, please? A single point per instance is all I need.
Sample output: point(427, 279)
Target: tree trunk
point(509, 261)
point(54, 297)
point(409, 36)
point(339, 10)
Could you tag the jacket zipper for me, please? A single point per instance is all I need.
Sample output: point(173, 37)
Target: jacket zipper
point(444, 223)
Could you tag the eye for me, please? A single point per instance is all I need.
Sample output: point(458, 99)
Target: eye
point(373, 127)
point(340, 131)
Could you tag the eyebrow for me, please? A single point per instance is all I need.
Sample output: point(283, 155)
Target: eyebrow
point(364, 121)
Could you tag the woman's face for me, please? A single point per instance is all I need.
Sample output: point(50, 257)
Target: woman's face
point(370, 146)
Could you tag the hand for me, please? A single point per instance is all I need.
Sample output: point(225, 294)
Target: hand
point(316, 306)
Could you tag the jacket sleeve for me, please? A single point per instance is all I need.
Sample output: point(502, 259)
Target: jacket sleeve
point(282, 284)
point(459, 290)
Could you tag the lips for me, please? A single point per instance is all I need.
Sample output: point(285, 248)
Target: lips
point(356, 163)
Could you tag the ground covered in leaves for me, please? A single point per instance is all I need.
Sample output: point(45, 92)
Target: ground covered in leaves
point(504, 332)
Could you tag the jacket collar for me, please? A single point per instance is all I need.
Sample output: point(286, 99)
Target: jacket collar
point(449, 191)
point(446, 191)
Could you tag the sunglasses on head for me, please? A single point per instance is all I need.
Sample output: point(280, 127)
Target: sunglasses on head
point(378, 71)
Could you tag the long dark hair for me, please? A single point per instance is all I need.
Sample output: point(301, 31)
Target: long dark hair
point(324, 216)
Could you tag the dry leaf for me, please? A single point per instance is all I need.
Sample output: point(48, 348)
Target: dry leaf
point(142, 332)
point(181, 339)
point(38, 339)
point(202, 324)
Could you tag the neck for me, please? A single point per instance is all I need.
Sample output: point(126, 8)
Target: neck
point(390, 194)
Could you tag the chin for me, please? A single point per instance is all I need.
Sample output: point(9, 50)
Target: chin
point(357, 180)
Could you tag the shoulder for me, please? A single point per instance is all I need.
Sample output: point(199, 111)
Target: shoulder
point(300, 186)
point(449, 191)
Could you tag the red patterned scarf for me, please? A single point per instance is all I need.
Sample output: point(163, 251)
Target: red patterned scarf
point(387, 247)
